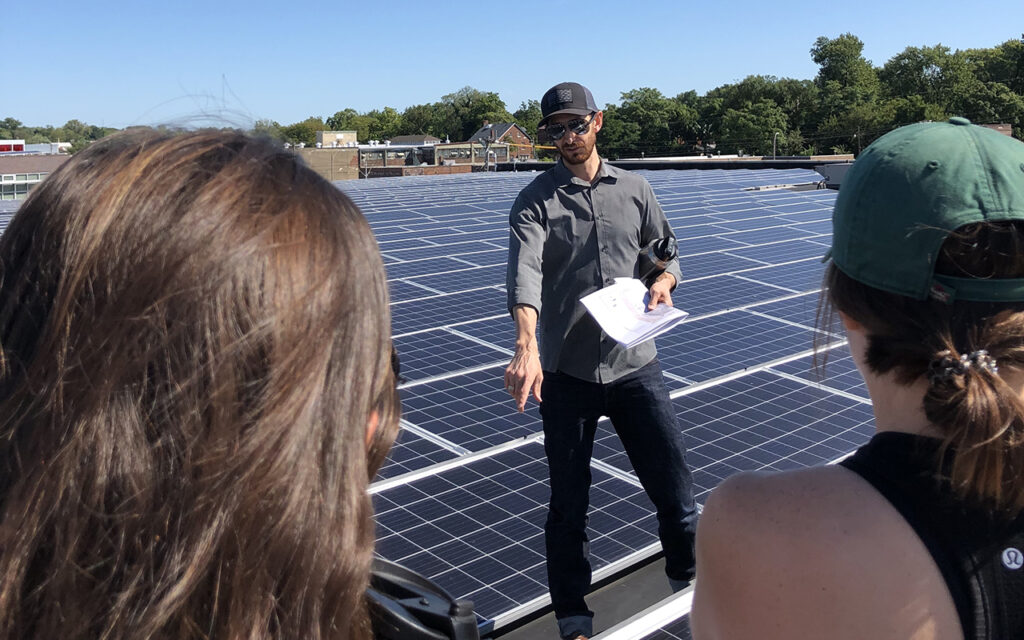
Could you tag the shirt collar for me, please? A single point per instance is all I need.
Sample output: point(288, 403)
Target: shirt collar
point(565, 177)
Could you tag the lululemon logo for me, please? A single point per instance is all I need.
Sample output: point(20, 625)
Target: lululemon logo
point(1013, 558)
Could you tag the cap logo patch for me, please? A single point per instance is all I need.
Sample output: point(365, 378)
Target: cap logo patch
point(564, 95)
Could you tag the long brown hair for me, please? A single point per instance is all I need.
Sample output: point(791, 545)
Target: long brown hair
point(980, 416)
point(194, 335)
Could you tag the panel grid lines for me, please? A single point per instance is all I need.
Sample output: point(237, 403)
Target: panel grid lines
point(737, 369)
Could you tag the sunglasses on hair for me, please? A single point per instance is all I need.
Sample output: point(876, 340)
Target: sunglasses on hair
point(579, 126)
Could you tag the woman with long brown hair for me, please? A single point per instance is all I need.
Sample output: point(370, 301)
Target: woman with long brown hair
point(195, 390)
point(920, 533)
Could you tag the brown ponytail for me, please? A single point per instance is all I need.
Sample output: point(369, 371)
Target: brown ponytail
point(966, 350)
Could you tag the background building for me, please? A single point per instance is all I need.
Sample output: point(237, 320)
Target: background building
point(519, 142)
point(418, 139)
point(21, 172)
point(336, 138)
point(472, 152)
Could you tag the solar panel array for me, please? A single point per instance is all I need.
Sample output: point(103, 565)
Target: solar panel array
point(462, 498)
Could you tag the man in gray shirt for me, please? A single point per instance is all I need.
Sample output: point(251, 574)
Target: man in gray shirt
point(575, 229)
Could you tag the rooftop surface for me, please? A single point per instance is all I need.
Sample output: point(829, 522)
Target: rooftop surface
point(463, 496)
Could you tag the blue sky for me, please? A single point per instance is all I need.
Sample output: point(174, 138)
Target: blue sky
point(120, 63)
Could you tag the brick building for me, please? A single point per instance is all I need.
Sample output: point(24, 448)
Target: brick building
point(519, 142)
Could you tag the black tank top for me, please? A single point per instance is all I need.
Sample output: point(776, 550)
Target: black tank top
point(981, 557)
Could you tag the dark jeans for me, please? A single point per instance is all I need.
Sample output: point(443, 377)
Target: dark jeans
point(640, 410)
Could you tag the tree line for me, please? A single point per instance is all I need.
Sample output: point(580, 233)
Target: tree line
point(76, 132)
point(849, 103)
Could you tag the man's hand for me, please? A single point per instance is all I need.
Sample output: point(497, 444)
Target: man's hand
point(524, 375)
point(661, 290)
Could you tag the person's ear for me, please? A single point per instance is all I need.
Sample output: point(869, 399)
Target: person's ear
point(371, 427)
point(850, 324)
point(598, 121)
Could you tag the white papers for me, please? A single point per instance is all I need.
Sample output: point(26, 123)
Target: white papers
point(621, 310)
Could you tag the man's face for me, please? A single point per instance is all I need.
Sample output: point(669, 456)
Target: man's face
point(576, 148)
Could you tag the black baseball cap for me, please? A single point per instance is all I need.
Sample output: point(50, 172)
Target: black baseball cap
point(567, 97)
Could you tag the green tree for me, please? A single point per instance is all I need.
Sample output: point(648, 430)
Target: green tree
point(351, 120)
point(618, 137)
point(1003, 63)
point(384, 124)
point(76, 129)
point(845, 78)
point(419, 119)
point(999, 92)
point(528, 116)
point(269, 128)
point(857, 126)
point(303, 132)
point(916, 71)
point(465, 110)
point(8, 126)
point(753, 129)
point(841, 61)
point(342, 120)
point(799, 99)
point(662, 122)
point(913, 108)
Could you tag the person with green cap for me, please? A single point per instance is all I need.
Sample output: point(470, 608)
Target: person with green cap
point(920, 533)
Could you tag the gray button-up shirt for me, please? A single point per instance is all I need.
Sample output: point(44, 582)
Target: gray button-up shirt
point(569, 238)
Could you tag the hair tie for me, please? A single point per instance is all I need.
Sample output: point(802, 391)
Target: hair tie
point(945, 366)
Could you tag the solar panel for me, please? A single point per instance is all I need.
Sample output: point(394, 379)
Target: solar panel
point(722, 293)
point(448, 309)
point(784, 251)
point(801, 275)
point(412, 452)
point(433, 353)
point(471, 410)
point(707, 264)
point(470, 276)
point(477, 529)
point(400, 291)
point(463, 496)
point(840, 372)
point(713, 346)
point(678, 630)
point(757, 422)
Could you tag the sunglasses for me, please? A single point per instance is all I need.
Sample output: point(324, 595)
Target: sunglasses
point(579, 126)
point(396, 367)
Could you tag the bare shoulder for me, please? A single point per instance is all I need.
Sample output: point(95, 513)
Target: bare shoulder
point(792, 514)
point(791, 499)
point(811, 553)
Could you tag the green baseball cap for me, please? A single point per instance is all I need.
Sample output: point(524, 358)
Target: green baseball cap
point(910, 189)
